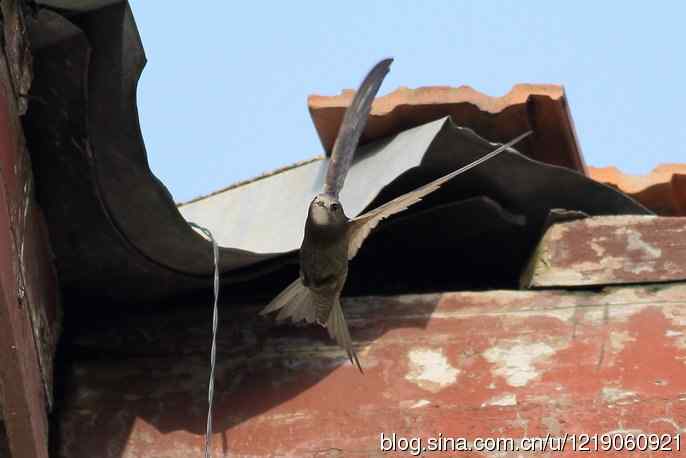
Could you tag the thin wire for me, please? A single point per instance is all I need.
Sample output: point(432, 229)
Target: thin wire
point(213, 351)
point(215, 309)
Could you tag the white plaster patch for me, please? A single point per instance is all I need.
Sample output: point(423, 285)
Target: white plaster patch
point(598, 248)
point(430, 369)
point(675, 314)
point(638, 268)
point(286, 418)
point(558, 231)
point(613, 395)
point(620, 221)
point(580, 271)
point(622, 310)
point(607, 262)
point(616, 343)
point(420, 403)
point(412, 403)
point(678, 338)
point(516, 362)
point(636, 243)
point(671, 266)
point(505, 400)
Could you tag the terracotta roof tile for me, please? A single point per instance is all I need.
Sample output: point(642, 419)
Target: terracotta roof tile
point(542, 107)
point(663, 190)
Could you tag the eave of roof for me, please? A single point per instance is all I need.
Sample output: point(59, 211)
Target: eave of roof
point(541, 107)
point(663, 190)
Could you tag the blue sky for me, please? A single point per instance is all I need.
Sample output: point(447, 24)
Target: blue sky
point(223, 96)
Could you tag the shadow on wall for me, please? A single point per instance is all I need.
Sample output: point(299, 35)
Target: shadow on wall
point(153, 368)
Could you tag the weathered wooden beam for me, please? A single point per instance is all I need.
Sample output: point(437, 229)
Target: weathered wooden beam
point(23, 397)
point(609, 250)
point(29, 316)
point(485, 364)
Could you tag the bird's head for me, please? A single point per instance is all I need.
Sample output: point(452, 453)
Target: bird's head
point(326, 210)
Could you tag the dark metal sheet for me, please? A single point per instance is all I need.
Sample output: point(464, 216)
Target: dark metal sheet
point(76, 5)
point(267, 215)
point(93, 179)
point(119, 237)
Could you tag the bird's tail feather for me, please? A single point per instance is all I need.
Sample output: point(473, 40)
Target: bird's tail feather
point(338, 330)
point(296, 302)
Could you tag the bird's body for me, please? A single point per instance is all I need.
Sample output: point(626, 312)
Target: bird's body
point(324, 254)
point(331, 239)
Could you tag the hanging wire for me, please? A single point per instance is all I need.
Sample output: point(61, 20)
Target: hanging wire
point(213, 351)
point(215, 312)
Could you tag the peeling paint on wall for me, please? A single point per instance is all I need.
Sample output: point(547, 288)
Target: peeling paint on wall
point(430, 369)
point(518, 362)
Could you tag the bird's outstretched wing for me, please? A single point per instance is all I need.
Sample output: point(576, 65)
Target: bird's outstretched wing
point(353, 124)
point(361, 226)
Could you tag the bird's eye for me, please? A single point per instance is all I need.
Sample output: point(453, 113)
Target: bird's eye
point(335, 207)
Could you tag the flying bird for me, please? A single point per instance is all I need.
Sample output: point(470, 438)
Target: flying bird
point(331, 238)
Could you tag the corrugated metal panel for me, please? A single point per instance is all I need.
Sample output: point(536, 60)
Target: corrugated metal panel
point(260, 217)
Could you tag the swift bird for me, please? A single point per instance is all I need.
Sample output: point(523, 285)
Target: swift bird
point(332, 239)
